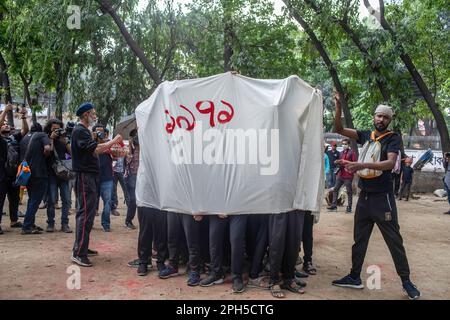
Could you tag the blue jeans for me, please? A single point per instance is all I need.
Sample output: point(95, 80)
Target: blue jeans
point(331, 179)
point(52, 191)
point(119, 178)
point(106, 188)
point(36, 189)
point(447, 189)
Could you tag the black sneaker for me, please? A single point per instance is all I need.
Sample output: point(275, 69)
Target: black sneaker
point(115, 213)
point(168, 272)
point(238, 285)
point(212, 279)
point(16, 224)
point(82, 261)
point(31, 231)
point(411, 290)
point(35, 227)
point(193, 279)
point(50, 228)
point(65, 228)
point(349, 210)
point(349, 282)
point(107, 229)
point(142, 269)
point(1, 231)
point(332, 208)
point(130, 226)
point(92, 252)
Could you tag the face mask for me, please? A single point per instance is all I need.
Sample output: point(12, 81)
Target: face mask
point(345, 146)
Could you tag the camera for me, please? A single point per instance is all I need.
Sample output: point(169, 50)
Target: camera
point(60, 132)
point(100, 135)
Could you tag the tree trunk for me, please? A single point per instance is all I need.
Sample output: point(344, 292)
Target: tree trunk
point(27, 96)
point(152, 71)
point(423, 88)
point(331, 69)
point(6, 87)
point(228, 34)
point(61, 77)
point(343, 23)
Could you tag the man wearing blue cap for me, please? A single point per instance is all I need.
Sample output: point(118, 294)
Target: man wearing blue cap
point(85, 163)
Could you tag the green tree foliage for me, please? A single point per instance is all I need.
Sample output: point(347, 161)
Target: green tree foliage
point(199, 39)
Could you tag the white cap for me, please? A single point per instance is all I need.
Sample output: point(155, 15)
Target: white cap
point(386, 110)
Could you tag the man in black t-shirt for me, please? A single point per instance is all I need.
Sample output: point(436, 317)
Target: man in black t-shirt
point(9, 139)
point(376, 203)
point(55, 130)
point(85, 163)
point(39, 148)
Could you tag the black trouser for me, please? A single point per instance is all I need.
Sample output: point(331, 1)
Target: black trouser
point(258, 239)
point(285, 234)
point(177, 225)
point(152, 229)
point(396, 182)
point(307, 237)
point(204, 240)
point(348, 185)
point(7, 188)
point(217, 236)
point(405, 190)
point(86, 189)
point(378, 208)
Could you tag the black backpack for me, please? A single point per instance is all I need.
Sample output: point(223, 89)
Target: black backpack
point(12, 159)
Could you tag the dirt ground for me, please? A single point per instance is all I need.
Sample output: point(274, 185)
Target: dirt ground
point(35, 266)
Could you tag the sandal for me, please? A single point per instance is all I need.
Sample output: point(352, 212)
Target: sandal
point(276, 291)
point(309, 269)
point(260, 283)
point(293, 287)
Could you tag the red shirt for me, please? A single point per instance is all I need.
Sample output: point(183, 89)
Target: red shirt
point(350, 156)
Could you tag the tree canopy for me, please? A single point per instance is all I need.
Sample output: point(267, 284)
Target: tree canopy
point(124, 49)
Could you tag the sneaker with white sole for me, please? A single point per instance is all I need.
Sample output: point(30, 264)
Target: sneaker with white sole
point(82, 261)
point(211, 280)
point(349, 282)
point(411, 290)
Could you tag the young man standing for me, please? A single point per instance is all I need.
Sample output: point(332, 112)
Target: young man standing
point(39, 148)
point(333, 155)
point(344, 177)
point(406, 180)
point(376, 203)
point(106, 176)
point(85, 164)
point(118, 177)
point(7, 169)
point(61, 145)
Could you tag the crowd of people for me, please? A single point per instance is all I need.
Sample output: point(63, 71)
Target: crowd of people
point(267, 246)
point(40, 148)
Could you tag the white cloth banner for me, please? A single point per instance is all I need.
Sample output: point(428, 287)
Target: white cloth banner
point(231, 144)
